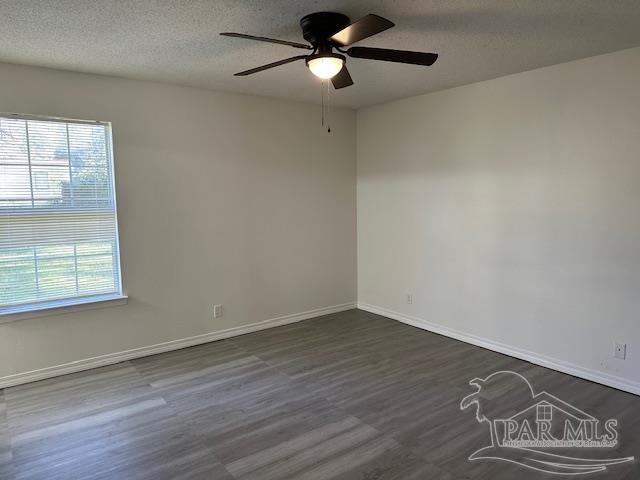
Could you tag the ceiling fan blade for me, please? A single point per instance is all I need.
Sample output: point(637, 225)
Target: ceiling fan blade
point(342, 79)
point(361, 29)
point(270, 40)
point(399, 56)
point(270, 65)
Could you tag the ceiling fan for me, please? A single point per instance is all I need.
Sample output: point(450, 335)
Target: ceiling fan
point(326, 31)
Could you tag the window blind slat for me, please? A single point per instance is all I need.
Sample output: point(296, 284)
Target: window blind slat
point(58, 227)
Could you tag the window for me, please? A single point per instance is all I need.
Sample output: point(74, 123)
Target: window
point(58, 227)
point(544, 412)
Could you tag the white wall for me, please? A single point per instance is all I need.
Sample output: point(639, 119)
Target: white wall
point(511, 210)
point(222, 198)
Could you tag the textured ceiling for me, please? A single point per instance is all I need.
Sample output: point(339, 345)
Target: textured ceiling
point(177, 41)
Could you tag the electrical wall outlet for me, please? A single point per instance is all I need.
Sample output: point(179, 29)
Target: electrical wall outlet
point(409, 298)
point(217, 311)
point(620, 350)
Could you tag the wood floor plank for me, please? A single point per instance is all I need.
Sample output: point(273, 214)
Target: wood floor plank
point(349, 396)
point(106, 423)
point(6, 454)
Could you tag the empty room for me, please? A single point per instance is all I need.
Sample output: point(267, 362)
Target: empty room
point(319, 240)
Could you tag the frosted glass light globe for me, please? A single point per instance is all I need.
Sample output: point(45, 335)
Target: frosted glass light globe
point(325, 67)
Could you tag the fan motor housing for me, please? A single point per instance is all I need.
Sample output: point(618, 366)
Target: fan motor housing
point(318, 27)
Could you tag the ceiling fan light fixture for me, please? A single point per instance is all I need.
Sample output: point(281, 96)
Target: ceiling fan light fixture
point(326, 65)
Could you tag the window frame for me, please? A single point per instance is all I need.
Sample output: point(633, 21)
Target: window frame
point(544, 412)
point(40, 308)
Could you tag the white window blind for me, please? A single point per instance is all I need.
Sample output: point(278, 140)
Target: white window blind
point(58, 228)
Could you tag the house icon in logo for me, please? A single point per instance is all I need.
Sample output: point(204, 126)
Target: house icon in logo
point(548, 407)
point(525, 427)
point(553, 416)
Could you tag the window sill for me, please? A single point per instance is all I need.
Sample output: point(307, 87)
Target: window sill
point(12, 314)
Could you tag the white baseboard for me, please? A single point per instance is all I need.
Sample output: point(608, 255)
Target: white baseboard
point(111, 358)
point(532, 357)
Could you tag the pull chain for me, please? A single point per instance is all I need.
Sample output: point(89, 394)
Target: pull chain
point(328, 109)
point(322, 96)
point(325, 105)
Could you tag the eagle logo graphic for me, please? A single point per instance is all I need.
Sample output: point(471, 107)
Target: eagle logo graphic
point(537, 431)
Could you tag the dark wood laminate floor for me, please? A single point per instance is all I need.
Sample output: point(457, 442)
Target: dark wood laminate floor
point(345, 396)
